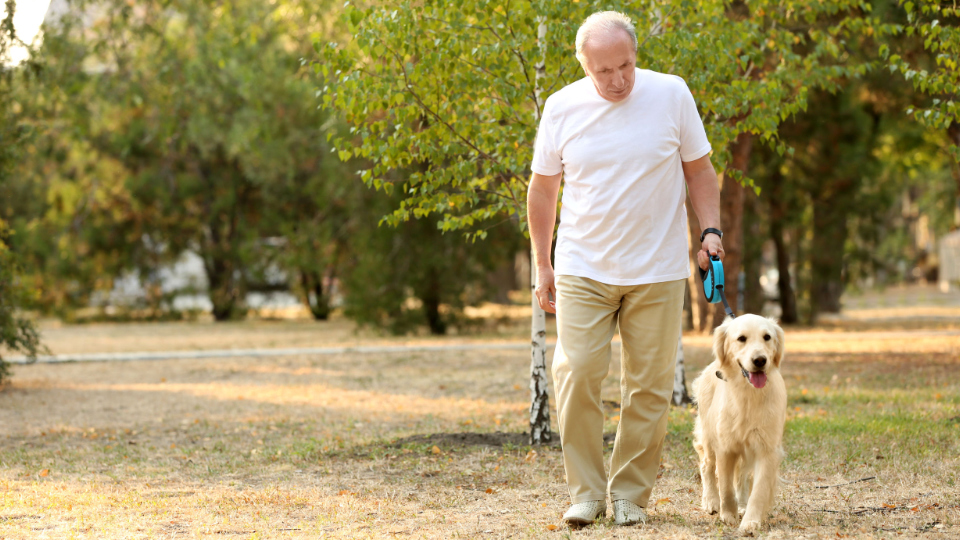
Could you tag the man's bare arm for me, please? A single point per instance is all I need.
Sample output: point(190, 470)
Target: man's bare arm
point(541, 217)
point(705, 197)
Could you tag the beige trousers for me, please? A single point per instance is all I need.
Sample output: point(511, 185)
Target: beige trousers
point(649, 319)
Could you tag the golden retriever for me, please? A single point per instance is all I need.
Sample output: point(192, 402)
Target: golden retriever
point(743, 406)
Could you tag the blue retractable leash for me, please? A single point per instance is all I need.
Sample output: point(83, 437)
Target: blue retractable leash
point(713, 290)
point(713, 284)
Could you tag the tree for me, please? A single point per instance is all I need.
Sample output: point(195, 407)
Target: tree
point(204, 111)
point(938, 25)
point(16, 332)
point(399, 278)
point(458, 89)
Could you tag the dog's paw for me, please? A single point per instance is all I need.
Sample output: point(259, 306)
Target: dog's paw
point(749, 527)
point(711, 506)
point(730, 518)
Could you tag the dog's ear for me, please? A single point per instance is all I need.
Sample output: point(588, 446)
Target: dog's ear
point(778, 342)
point(720, 341)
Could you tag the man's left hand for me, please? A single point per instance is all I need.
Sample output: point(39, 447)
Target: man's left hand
point(711, 246)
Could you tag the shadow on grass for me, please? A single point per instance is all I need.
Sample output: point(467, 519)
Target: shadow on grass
point(496, 439)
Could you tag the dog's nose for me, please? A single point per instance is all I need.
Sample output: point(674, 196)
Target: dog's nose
point(760, 361)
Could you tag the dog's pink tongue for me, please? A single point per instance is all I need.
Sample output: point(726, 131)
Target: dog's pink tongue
point(758, 380)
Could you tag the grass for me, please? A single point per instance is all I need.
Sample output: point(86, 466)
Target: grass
point(366, 446)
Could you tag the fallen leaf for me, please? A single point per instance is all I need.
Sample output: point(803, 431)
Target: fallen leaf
point(435, 449)
point(885, 505)
point(344, 492)
point(45, 472)
point(552, 527)
point(615, 418)
point(531, 456)
point(517, 387)
point(490, 490)
point(664, 500)
point(803, 392)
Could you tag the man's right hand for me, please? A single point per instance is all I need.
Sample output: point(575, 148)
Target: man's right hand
point(546, 289)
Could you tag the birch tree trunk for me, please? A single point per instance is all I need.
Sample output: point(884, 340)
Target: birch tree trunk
point(680, 394)
point(539, 399)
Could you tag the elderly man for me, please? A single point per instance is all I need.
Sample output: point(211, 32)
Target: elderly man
point(623, 140)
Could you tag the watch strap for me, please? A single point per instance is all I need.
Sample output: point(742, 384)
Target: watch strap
point(710, 230)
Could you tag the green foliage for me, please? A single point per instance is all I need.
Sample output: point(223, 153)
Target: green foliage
point(456, 92)
point(190, 126)
point(16, 332)
point(938, 25)
point(400, 278)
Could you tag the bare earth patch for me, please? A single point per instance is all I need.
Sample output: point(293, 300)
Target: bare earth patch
point(433, 445)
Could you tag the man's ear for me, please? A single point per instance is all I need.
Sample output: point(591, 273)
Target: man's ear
point(778, 345)
point(720, 341)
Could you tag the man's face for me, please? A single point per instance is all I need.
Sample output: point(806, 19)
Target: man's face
point(609, 61)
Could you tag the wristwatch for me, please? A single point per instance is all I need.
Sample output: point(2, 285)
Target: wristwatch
point(710, 230)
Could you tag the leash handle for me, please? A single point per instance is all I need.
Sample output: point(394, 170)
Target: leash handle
point(713, 281)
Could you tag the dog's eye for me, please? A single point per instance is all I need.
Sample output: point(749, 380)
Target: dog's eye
point(742, 339)
point(766, 337)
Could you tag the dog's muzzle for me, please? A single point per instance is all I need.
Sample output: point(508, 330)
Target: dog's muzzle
point(758, 379)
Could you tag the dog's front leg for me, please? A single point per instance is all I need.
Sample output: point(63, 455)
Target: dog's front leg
point(708, 475)
point(726, 469)
point(761, 496)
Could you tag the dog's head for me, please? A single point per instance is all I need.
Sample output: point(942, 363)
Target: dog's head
point(749, 344)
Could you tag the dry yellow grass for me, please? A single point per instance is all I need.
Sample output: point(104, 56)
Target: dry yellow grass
point(306, 447)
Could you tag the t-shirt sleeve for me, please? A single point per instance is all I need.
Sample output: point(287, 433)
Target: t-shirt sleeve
point(693, 138)
point(546, 157)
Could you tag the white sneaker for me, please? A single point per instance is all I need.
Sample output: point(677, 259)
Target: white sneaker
point(585, 513)
point(627, 513)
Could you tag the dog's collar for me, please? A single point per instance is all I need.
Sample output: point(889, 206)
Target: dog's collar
point(745, 375)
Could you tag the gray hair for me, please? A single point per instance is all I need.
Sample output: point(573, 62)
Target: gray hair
point(602, 22)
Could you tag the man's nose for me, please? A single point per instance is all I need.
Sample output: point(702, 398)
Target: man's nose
point(618, 79)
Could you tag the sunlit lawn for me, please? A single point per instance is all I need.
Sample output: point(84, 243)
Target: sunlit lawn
point(353, 446)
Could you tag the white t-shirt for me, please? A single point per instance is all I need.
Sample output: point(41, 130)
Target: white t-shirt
point(622, 217)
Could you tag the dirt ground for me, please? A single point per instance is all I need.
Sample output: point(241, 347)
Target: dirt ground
point(431, 444)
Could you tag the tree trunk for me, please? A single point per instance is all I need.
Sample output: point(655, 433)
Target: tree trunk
point(225, 286)
point(753, 297)
point(320, 306)
point(680, 394)
point(953, 131)
point(539, 399)
point(778, 212)
point(225, 291)
point(826, 250)
point(431, 305)
point(731, 220)
point(699, 307)
point(688, 307)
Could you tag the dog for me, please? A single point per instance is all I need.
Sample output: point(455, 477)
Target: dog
point(739, 428)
